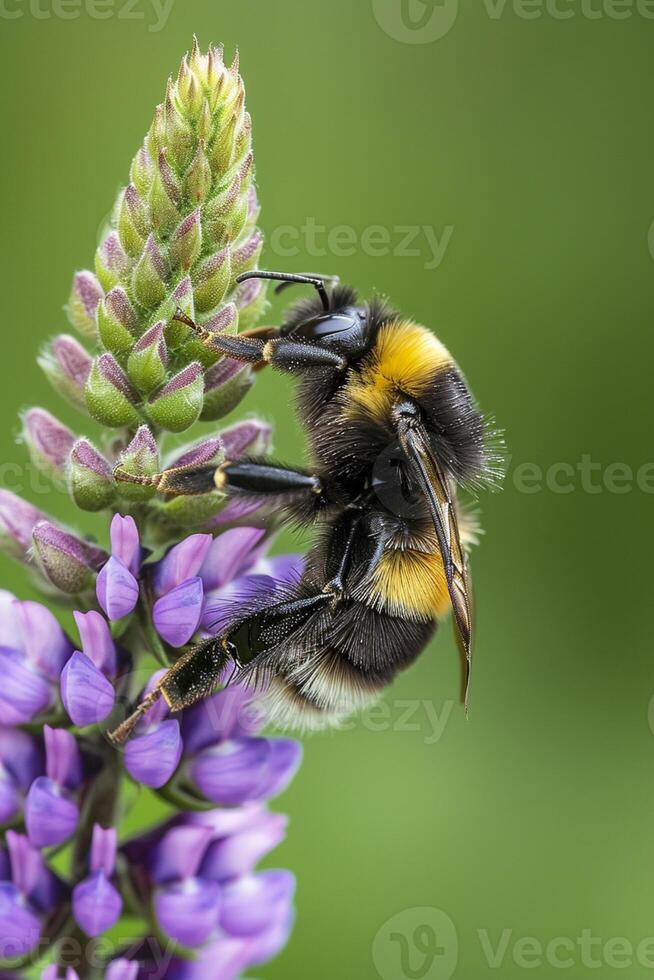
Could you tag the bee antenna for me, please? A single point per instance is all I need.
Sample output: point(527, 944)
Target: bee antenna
point(290, 278)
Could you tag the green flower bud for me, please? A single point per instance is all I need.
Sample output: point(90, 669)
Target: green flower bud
point(90, 478)
point(111, 261)
point(84, 298)
point(139, 459)
point(189, 512)
point(164, 197)
point(186, 242)
point(179, 403)
point(48, 442)
point(150, 274)
point(246, 256)
point(110, 397)
point(199, 177)
point(66, 561)
point(117, 322)
point(147, 363)
point(226, 383)
point(142, 172)
point(67, 365)
point(132, 221)
point(212, 281)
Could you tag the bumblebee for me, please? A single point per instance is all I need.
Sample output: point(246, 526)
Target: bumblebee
point(393, 432)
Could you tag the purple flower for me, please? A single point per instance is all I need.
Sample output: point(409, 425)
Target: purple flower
point(33, 650)
point(117, 587)
point(86, 690)
point(97, 904)
point(21, 761)
point(177, 611)
point(28, 893)
point(225, 761)
point(202, 895)
point(153, 754)
point(51, 811)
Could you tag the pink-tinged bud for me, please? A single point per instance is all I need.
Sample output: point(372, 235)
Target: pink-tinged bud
point(17, 521)
point(179, 403)
point(246, 256)
point(224, 321)
point(199, 177)
point(226, 383)
point(142, 171)
point(205, 452)
point(90, 477)
point(111, 261)
point(164, 197)
point(186, 242)
point(147, 363)
point(226, 214)
point(117, 321)
point(251, 437)
point(132, 221)
point(150, 275)
point(69, 563)
point(212, 281)
point(67, 365)
point(84, 298)
point(251, 301)
point(182, 298)
point(139, 459)
point(110, 397)
point(48, 441)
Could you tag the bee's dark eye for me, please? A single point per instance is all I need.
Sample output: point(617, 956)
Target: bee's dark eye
point(342, 331)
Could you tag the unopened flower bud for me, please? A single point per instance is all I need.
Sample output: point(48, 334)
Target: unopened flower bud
point(18, 519)
point(117, 321)
point(48, 441)
point(69, 563)
point(147, 363)
point(132, 221)
point(84, 298)
point(212, 281)
point(150, 275)
point(90, 478)
point(139, 459)
point(226, 383)
point(111, 261)
point(179, 403)
point(110, 397)
point(67, 365)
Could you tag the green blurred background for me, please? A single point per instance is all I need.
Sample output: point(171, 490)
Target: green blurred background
point(528, 143)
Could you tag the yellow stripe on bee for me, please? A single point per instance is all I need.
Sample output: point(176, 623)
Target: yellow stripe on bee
point(412, 584)
point(406, 358)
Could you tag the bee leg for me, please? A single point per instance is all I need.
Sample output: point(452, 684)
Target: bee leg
point(197, 673)
point(261, 478)
point(280, 352)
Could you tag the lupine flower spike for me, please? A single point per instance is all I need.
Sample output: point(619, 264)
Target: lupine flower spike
point(169, 571)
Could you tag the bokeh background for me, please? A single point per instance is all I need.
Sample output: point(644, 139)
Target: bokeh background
point(522, 139)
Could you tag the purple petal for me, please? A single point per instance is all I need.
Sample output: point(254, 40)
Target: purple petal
point(24, 694)
point(52, 973)
point(96, 904)
point(230, 773)
point(20, 756)
point(19, 927)
point(125, 542)
point(231, 554)
point(103, 849)
point(45, 643)
point(188, 911)
point(10, 797)
point(122, 970)
point(63, 758)
point(159, 710)
point(179, 853)
point(31, 875)
point(176, 615)
point(229, 713)
point(238, 854)
point(97, 643)
point(117, 589)
point(87, 695)
point(283, 762)
point(50, 815)
point(252, 902)
point(182, 562)
point(151, 759)
point(234, 512)
point(266, 945)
